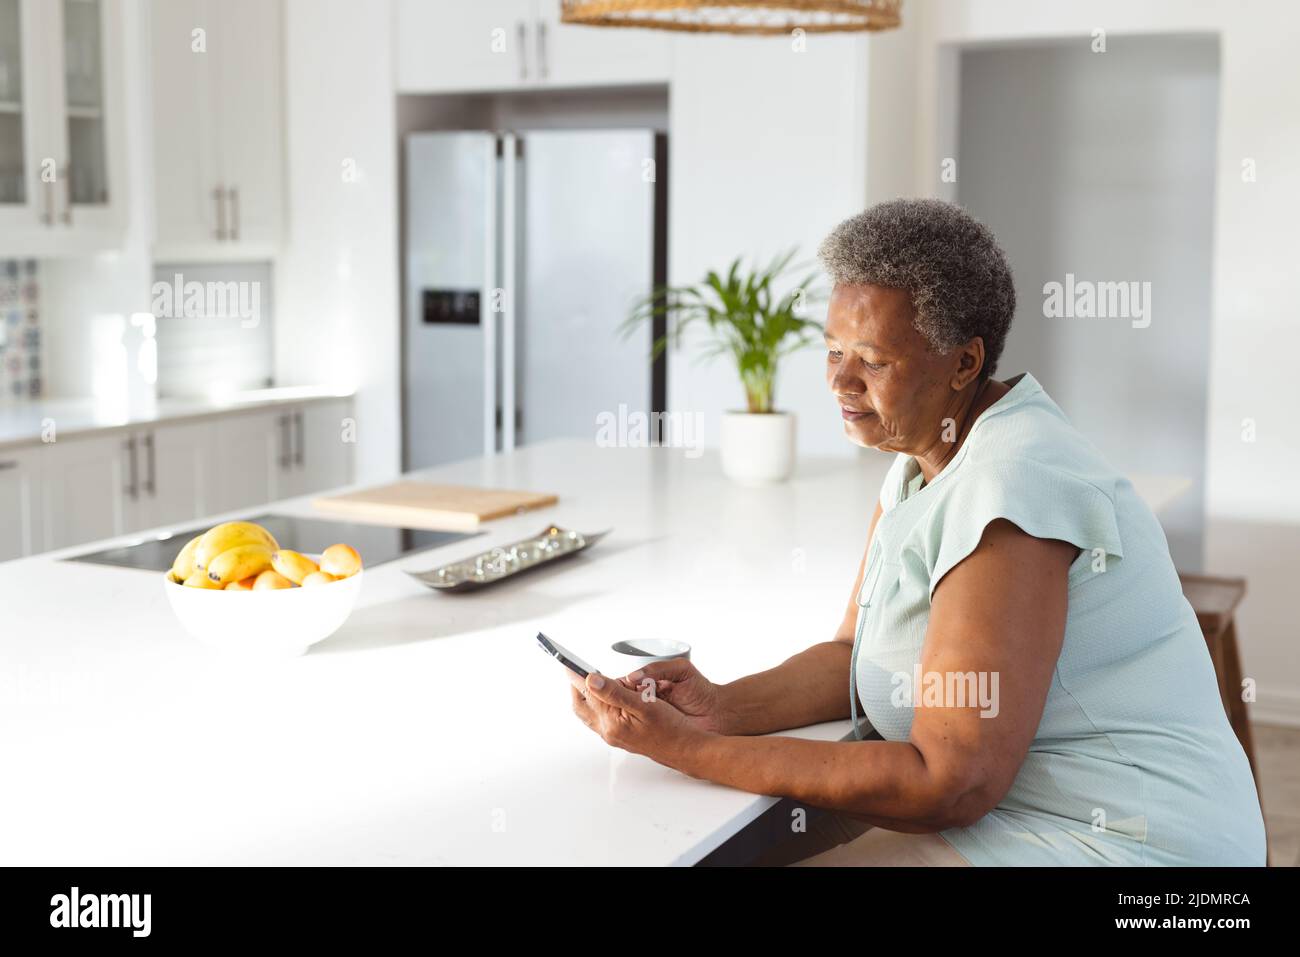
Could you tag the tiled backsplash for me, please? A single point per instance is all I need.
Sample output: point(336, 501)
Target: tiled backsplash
point(200, 353)
point(20, 329)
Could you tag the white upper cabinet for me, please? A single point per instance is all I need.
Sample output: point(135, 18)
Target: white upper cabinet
point(185, 168)
point(464, 45)
point(250, 118)
point(62, 175)
point(218, 128)
point(577, 56)
point(23, 199)
point(456, 45)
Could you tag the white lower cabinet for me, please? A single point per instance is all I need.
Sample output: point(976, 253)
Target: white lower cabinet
point(323, 442)
point(101, 487)
point(172, 475)
point(83, 489)
point(293, 450)
point(21, 520)
point(86, 484)
point(249, 452)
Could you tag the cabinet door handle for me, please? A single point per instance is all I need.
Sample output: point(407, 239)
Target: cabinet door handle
point(6, 466)
point(299, 454)
point(219, 196)
point(285, 456)
point(133, 486)
point(541, 50)
point(233, 194)
point(523, 50)
point(151, 475)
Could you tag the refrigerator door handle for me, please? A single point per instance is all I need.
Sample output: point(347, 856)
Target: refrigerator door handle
point(509, 248)
point(488, 302)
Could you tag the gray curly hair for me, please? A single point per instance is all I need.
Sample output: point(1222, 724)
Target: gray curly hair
point(949, 263)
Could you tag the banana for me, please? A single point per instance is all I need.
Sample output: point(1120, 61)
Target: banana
point(340, 561)
point(200, 580)
point(271, 579)
point(228, 535)
point(318, 578)
point(244, 585)
point(236, 564)
point(294, 566)
point(183, 565)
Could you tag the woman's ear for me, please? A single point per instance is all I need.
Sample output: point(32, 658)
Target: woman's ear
point(970, 360)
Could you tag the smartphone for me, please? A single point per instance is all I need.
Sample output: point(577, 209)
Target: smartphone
point(565, 657)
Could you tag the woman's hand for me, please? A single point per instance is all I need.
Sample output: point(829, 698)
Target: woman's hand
point(680, 683)
point(631, 718)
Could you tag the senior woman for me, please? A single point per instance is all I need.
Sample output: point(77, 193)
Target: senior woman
point(1004, 554)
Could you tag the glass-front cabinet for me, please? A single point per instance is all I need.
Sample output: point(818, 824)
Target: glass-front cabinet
point(15, 114)
point(61, 146)
point(86, 175)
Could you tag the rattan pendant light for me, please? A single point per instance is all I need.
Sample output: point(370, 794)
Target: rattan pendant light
point(736, 16)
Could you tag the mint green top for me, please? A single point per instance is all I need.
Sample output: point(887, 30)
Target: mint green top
point(1134, 761)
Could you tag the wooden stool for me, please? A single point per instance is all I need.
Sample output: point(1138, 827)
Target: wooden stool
point(1214, 600)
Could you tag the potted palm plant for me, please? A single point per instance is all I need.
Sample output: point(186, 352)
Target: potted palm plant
point(758, 326)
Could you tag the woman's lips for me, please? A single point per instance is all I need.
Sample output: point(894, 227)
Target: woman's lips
point(852, 415)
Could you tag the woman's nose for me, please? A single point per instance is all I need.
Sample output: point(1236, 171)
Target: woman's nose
point(844, 381)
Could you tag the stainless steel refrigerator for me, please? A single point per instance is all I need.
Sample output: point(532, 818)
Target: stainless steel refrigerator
point(524, 253)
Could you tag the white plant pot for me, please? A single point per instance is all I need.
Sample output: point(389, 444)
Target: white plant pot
point(757, 448)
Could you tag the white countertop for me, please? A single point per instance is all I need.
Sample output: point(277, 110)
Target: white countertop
point(429, 729)
point(430, 720)
point(22, 423)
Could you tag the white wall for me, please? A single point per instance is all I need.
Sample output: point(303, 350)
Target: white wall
point(1102, 166)
point(771, 148)
point(766, 151)
point(337, 284)
point(1253, 513)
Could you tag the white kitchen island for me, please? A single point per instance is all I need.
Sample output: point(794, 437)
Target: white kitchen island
point(430, 729)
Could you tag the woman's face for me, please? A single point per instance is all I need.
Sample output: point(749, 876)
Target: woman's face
point(893, 392)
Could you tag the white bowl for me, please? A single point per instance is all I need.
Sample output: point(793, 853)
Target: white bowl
point(281, 623)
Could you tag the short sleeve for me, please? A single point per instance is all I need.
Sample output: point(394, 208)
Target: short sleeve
point(1042, 501)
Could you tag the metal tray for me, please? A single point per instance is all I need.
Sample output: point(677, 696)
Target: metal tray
point(505, 561)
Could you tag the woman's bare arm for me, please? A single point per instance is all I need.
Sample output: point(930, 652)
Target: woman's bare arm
point(805, 689)
point(999, 612)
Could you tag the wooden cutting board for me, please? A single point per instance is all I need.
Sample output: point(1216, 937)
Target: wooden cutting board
point(454, 508)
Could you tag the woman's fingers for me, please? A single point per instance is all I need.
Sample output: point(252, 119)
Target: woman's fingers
point(582, 708)
point(615, 694)
point(674, 669)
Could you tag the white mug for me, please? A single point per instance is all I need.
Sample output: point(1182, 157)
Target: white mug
point(638, 652)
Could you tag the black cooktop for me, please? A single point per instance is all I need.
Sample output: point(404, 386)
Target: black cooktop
point(376, 543)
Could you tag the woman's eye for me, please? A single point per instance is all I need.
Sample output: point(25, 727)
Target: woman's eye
point(874, 366)
point(834, 355)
